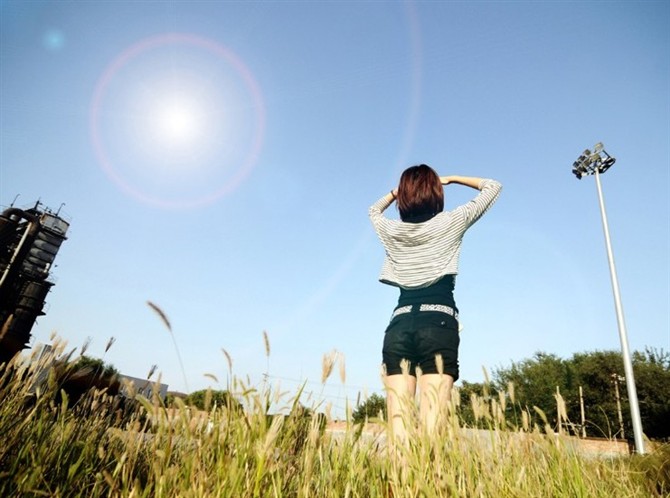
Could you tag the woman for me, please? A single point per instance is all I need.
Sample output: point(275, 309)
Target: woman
point(422, 251)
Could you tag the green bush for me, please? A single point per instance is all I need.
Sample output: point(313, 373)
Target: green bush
point(370, 409)
point(205, 399)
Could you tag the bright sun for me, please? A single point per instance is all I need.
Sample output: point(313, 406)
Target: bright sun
point(177, 120)
point(177, 124)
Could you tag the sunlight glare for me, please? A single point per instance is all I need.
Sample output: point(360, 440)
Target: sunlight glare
point(177, 124)
point(177, 120)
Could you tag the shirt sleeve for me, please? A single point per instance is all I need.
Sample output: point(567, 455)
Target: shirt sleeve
point(474, 209)
point(376, 210)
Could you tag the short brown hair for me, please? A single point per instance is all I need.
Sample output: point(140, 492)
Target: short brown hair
point(420, 193)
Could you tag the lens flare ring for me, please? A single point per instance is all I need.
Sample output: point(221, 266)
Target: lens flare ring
point(177, 122)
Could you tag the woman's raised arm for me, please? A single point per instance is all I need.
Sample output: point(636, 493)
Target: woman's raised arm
point(468, 181)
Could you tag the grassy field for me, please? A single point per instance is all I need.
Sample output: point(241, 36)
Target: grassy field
point(91, 450)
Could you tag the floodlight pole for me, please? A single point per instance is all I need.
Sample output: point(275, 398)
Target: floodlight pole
point(627, 363)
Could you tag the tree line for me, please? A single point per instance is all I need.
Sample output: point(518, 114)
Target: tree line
point(536, 381)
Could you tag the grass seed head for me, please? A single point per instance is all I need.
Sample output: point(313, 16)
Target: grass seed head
point(525, 421)
point(404, 367)
point(228, 359)
point(343, 369)
point(152, 371)
point(327, 365)
point(110, 343)
point(84, 347)
point(510, 390)
point(161, 314)
point(439, 362)
point(266, 342)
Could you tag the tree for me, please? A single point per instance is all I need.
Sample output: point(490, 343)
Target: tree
point(600, 370)
point(536, 380)
point(469, 393)
point(98, 367)
point(597, 373)
point(371, 408)
point(205, 399)
point(83, 374)
point(652, 378)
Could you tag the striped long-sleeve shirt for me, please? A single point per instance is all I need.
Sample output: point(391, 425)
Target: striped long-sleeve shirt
point(419, 254)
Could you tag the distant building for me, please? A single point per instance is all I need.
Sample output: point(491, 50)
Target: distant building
point(177, 394)
point(29, 241)
point(142, 386)
point(44, 357)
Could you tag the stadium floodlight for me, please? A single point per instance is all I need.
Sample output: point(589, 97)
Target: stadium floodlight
point(589, 162)
point(595, 163)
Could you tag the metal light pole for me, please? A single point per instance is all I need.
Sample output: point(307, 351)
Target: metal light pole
point(595, 163)
point(616, 378)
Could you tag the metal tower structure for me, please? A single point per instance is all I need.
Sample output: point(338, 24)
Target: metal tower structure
point(29, 242)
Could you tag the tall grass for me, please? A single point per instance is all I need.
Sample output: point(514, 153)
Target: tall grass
point(95, 449)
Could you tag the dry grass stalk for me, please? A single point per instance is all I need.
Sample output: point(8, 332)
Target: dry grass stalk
point(266, 342)
point(439, 363)
point(85, 346)
point(161, 314)
point(327, 365)
point(343, 369)
point(181, 452)
point(211, 376)
point(229, 359)
point(110, 343)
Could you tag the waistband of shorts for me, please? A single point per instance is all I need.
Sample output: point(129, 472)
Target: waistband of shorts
point(441, 308)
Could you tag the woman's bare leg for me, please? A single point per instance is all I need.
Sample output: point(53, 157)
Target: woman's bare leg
point(435, 396)
point(400, 392)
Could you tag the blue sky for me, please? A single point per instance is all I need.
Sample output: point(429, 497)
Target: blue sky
point(219, 158)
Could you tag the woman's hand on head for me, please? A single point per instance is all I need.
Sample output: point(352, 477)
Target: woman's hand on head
point(392, 196)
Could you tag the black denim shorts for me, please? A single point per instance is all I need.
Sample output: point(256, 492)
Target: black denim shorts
point(419, 336)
